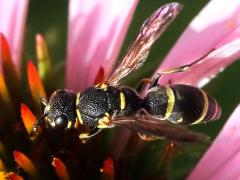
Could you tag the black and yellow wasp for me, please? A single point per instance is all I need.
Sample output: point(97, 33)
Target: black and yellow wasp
point(164, 111)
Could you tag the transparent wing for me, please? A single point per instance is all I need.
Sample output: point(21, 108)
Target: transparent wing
point(150, 126)
point(137, 53)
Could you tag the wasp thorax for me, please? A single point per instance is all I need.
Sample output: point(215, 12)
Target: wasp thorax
point(61, 109)
point(94, 103)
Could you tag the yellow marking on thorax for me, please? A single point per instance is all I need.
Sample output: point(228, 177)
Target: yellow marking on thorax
point(205, 108)
point(122, 101)
point(105, 122)
point(78, 112)
point(102, 86)
point(170, 103)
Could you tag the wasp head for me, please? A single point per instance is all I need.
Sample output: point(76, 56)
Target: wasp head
point(60, 111)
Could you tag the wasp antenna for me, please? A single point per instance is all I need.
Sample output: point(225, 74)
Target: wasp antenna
point(43, 101)
point(38, 122)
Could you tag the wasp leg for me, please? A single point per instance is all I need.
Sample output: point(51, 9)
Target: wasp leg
point(91, 134)
point(153, 82)
point(142, 83)
point(186, 67)
point(147, 137)
point(157, 76)
point(43, 102)
point(36, 127)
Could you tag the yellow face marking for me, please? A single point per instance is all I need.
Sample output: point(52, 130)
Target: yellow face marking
point(52, 124)
point(205, 108)
point(122, 101)
point(102, 86)
point(171, 102)
point(79, 117)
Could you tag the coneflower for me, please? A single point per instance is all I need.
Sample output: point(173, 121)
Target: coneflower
point(96, 30)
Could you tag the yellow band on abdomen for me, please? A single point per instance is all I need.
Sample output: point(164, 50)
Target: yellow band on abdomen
point(205, 108)
point(170, 102)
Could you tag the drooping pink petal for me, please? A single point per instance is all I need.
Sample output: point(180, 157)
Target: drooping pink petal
point(227, 51)
point(223, 157)
point(208, 30)
point(12, 22)
point(230, 170)
point(95, 35)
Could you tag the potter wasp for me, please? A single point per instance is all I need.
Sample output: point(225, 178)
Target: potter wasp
point(163, 112)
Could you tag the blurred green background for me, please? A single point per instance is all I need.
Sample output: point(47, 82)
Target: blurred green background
point(50, 19)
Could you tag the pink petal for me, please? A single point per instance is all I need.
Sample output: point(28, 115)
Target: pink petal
point(95, 35)
point(211, 26)
point(223, 154)
point(12, 22)
point(230, 170)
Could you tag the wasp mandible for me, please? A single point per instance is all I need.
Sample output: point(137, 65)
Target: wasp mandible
point(162, 112)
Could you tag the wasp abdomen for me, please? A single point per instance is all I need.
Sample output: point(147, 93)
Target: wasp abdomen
point(214, 110)
point(156, 102)
point(182, 104)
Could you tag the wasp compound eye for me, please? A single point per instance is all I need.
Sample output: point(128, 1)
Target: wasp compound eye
point(61, 122)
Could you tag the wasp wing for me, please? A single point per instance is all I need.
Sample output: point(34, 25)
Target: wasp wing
point(149, 125)
point(137, 53)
